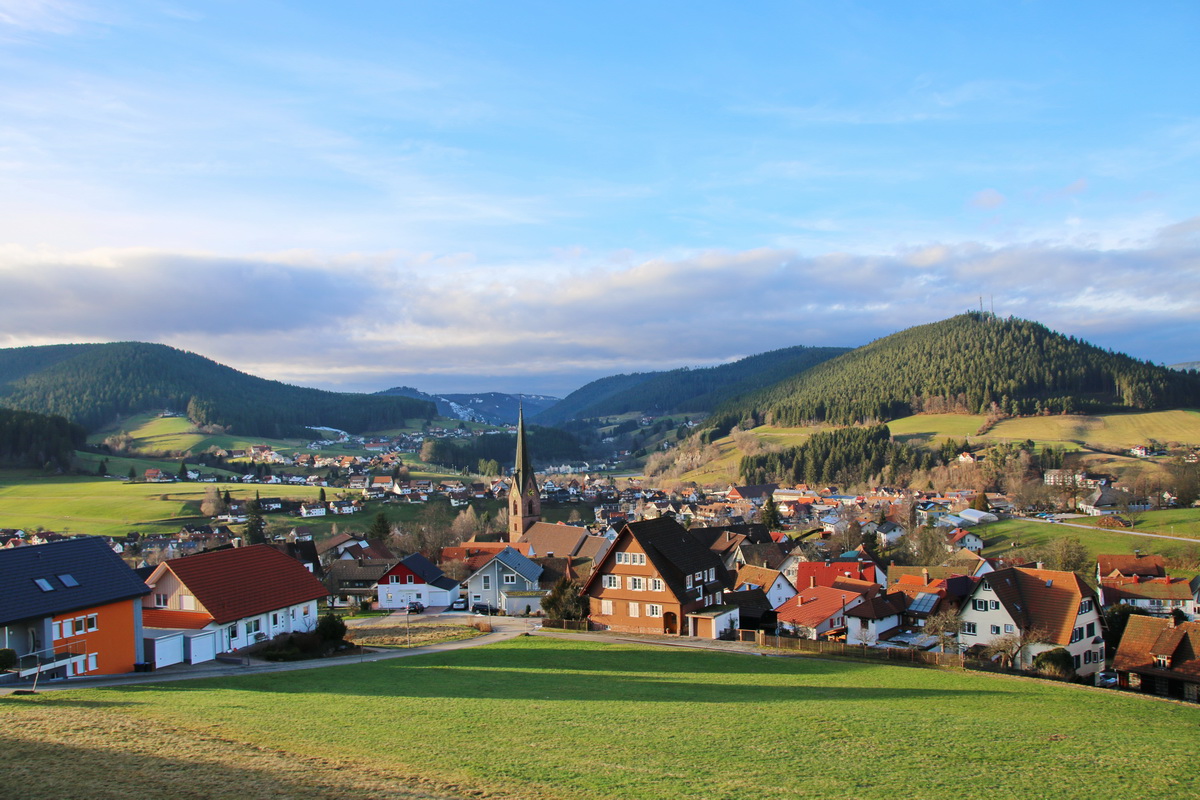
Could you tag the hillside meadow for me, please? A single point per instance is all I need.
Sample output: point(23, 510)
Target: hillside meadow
point(542, 718)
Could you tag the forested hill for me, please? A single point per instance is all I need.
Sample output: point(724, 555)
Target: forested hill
point(680, 390)
point(96, 384)
point(973, 363)
point(37, 440)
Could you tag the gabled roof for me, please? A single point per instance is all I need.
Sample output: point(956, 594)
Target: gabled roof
point(770, 555)
point(99, 575)
point(879, 607)
point(673, 551)
point(519, 564)
point(756, 576)
point(561, 540)
point(1147, 566)
point(1040, 598)
point(1147, 637)
point(429, 572)
point(1134, 588)
point(243, 581)
point(813, 606)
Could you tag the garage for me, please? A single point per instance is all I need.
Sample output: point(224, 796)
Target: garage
point(163, 648)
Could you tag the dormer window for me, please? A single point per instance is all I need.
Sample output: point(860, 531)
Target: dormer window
point(987, 586)
point(1163, 662)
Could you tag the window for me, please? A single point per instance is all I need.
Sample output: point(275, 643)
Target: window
point(1085, 606)
point(689, 581)
point(656, 584)
point(274, 618)
point(995, 604)
point(487, 582)
point(1076, 635)
point(395, 579)
point(1009, 629)
point(509, 579)
point(1087, 656)
point(979, 605)
point(233, 631)
point(987, 586)
point(55, 631)
point(93, 622)
point(1076, 660)
point(636, 584)
point(79, 626)
point(606, 607)
point(633, 609)
point(91, 661)
point(995, 629)
point(712, 573)
point(68, 580)
point(612, 582)
point(638, 559)
point(1163, 662)
point(622, 558)
point(653, 610)
point(187, 602)
point(306, 610)
point(160, 601)
point(252, 627)
point(1091, 629)
point(968, 628)
point(43, 584)
point(409, 579)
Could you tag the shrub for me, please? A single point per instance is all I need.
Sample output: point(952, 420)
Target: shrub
point(331, 628)
point(1056, 663)
point(8, 658)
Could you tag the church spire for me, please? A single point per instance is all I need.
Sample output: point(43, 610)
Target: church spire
point(524, 499)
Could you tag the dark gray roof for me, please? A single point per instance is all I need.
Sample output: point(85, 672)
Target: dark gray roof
point(428, 571)
point(676, 554)
point(100, 574)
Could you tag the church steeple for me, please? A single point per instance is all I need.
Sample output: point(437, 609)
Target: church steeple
point(524, 498)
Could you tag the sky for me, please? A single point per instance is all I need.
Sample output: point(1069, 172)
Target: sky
point(525, 196)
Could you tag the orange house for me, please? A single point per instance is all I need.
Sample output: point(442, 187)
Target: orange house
point(70, 608)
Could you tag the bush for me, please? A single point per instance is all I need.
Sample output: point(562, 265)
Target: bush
point(1056, 663)
point(8, 658)
point(331, 628)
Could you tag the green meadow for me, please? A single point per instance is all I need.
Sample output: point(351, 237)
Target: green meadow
point(541, 718)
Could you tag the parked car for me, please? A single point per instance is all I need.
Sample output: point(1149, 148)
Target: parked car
point(416, 607)
point(483, 608)
point(459, 605)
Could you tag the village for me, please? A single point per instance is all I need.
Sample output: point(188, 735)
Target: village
point(897, 574)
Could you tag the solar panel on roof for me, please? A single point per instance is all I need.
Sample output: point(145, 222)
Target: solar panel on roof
point(924, 603)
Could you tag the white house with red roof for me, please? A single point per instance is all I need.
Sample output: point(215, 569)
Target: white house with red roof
point(817, 611)
point(245, 594)
point(416, 579)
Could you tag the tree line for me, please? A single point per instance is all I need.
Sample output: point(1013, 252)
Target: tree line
point(97, 384)
point(38, 440)
point(975, 363)
point(495, 452)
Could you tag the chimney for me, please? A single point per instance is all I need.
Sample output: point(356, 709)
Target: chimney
point(925, 574)
point(812, 581)
point(1040, 565)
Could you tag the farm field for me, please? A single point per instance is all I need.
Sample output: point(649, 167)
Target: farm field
point(543, 718)
point(1107, 430)
point(1002, 537)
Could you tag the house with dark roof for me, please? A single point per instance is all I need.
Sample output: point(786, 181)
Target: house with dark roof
point(508, 581)
point(875, 619)
point(656, 578)
point(416, 579)
point(246, 594)
point(70, 608)
point(1158, 656)
point(355, 581)
point(1045, 608)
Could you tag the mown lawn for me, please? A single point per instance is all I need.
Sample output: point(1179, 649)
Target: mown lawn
point(543, 718)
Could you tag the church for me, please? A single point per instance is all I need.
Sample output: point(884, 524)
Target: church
point(524, 499)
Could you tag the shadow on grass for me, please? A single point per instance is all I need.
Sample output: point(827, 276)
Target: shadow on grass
point(566, 671)
point(59, 700)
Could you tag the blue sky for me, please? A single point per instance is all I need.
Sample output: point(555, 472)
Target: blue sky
point(524, 196)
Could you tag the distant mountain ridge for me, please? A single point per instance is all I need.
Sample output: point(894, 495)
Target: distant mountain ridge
point(971, 363)
point(1186, 365)
point(685, 390)
point(97, 384)
point(491, 408)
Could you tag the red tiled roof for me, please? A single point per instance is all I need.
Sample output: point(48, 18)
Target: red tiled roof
point(1146, 637)
point(244, 581)
point(822, 573)
point(166, 618)
point(1133, 588)
point(1127, 564)
point(815, 605)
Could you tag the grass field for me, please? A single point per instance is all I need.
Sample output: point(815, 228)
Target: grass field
point(1107, 430)
point(538, 718)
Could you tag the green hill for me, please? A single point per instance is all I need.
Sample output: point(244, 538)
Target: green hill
point(972, 363)
point(96, 384)
point(685, 390)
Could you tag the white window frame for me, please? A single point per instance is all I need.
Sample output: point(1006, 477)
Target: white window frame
point(487, 583)
point(968, 628)
point(653, 610)
point(634, 609)
point(636, 583)
point(253, 626)
point(611, 582)
point(656, 584)
point(606, 607)
point(510, 579)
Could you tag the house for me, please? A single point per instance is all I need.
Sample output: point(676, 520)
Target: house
point(245, 594)
point(876, 618)
point(416, 579)
point(508, 581)
point(1158, 656)
point(652, 578)
point(313, 509)
point(824, 573)
point(776, 587)
point(817, 612)
point(754, 494)
point(355, 581)
point(344, 507)
point(1045, 608)
point(1124, 565)
point(1108, 500)
point(70, 608)
point(960, 538)
point(546, 539)
point(1158, 596)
